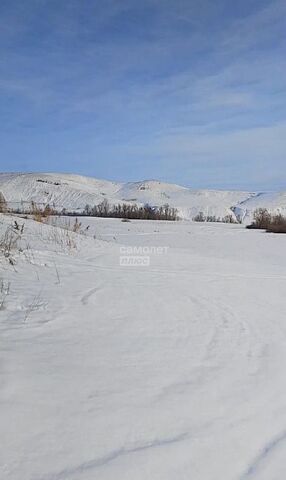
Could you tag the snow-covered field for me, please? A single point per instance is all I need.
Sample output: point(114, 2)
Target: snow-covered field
point(169, 371)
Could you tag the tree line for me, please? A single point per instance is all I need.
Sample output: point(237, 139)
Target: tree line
point(105, 210)
point(128, 211)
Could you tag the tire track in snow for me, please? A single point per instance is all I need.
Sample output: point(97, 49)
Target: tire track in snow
point(223, 338)
point(85, 298)
point(230, 335)
point(255, 467)
point(198, 273)
point(82, 468)
point(240, 338)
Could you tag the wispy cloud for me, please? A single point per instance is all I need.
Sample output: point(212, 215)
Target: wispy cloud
point(156, 81)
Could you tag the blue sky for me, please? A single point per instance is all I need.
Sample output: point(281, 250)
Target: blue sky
point(185, 91)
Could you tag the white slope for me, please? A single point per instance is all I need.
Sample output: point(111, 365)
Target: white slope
point(275, 202)
point(73, 192)
point(172, 371)
point(188, 202)
point(61, 190)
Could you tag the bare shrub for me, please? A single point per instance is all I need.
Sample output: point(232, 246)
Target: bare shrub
point(3, 203)
point(277, 224)
point(229, 219)
point(41, 214)
point(4, 292)
point(199, 217)
point(212, 218)
point(76, 227)
point(264, 220)
point(36, 213)
point(261, 219)
point(9, 243)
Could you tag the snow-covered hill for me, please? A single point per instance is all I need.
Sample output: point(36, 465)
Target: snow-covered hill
point(61, 190)
point(188, 202)
point(275, 202)
point(73, 192)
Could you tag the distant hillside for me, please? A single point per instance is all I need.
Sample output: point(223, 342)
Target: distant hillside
point(74, 192)
point(275, 202)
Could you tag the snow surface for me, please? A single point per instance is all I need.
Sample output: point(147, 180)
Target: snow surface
point(171, 371)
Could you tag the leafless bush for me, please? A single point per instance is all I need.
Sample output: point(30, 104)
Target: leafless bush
point(4, 292)
point(3, 203)
point(264, 220)
point(9, 243)
point(200, 217)
point(229, 219)
point(41, 214)
point(261, 219)
point(76, 227)
point(277, 224)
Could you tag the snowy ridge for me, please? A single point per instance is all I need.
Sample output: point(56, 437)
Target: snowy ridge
point(73, 192)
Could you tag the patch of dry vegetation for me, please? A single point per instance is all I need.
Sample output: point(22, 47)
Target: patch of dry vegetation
point(4, 292)
point(65, 232)
point(264, 220)
point(3, 203)
point(200, 217)
point(41, 214)
point(10, 241)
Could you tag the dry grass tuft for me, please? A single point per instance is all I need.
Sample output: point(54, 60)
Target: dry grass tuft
point(4, 292)
point(10, 241)
point(39, 214)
